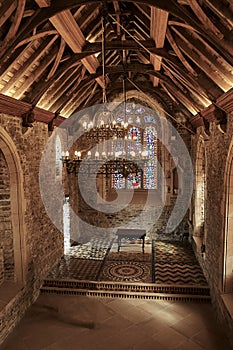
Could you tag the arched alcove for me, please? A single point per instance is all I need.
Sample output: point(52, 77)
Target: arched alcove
point(17, 205)
point(228, 226)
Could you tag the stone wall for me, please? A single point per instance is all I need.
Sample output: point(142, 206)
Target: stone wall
point(216, 146)
point(43, 241)
point(1, 266)
point(6, 234)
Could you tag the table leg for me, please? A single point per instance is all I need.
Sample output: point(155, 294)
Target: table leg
point(119, 243)
point(143, 243)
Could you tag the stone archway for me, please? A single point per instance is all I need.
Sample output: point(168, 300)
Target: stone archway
point(228, 227)
point(17, 205)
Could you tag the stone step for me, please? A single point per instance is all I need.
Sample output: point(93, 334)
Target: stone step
point(125, 294)
point(127, 290)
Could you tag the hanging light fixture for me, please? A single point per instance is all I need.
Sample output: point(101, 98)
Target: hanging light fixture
point(123, 162)
point(106, 127)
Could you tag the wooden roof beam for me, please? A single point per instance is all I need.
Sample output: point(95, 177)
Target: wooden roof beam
point(15, 24)
point(34, 75)
point(179, 53)
point(78, 99)
point(201, 61)
point(191, 106)
point(210, 54)
point(206, 22)
point(68, 28)
point(6, 10)
point(37, 36)
point(182, 92)
point(67, 101)
point(118, 18)
point(91, 95)
point(201, 83)
point(42, 86)
point(203, 100)
point(58, 89)
point(29, 63)
point(58, 58)
point(158, 28)
point(219, 8)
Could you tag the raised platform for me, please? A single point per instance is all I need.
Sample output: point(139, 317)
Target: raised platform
point(167, 270)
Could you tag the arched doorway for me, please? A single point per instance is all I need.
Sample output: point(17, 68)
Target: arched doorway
point(228, 227)
point(14, 192)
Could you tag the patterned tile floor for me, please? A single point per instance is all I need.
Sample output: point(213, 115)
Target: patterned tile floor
point(168, 262)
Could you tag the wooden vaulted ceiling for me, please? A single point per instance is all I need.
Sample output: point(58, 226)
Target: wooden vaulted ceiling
point(178, 52)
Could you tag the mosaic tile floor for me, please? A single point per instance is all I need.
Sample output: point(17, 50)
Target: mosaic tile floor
point(175, 263)
point(127, 267)
point(167, 262)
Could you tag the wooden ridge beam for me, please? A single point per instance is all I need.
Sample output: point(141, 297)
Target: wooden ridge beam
point(130, 45)
point(179, 11)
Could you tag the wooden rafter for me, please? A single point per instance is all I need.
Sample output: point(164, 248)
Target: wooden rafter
point(30, 62)
point(15, 24)
point(221, 10)
point(58, 58)
point(158, 28)
point(58, 89)
point(179, 53)
point(201, 83)
point(6, 10)
point(190, 50)
point(67, 101)
point(34, 76)
point(43, 86)
point(206, 51)
point(208, 25)
point(68, 28)
point(37, 36)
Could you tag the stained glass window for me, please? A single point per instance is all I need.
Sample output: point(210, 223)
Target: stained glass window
point(140, 140)
point(150, 171)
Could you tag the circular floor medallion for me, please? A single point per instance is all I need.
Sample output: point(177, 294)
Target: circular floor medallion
point(126, 271)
